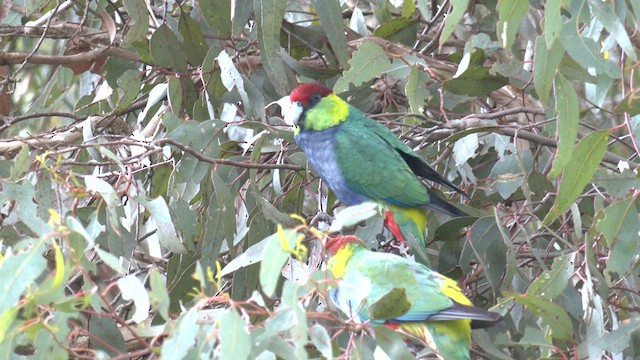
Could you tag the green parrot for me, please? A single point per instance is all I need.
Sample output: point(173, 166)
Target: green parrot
point(409, 297)
point(361, 160)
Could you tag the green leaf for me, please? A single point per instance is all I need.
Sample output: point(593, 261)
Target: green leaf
point(106, 329)
point(252, 255)
point(391, 305)
point(621, 226)
point(274, 258)
point(291, 293)
point(510, 13)
point(353, 215)
point(194, 45)
point(242, 11)
point(487, 247)
point(400, 30)
point(128, 89)
point(579, 172)
point(586, 51)
point(552, 21)
point(392, 343)
point(551, 314)
point(269, 24)
point(415, 89)
point(452, 20)
point(617, 184)
point(618, 340)
point(568, 121)
point(165, 49)
point(606, 14)
point(271, 213)
point(321, 340)
point(162, 218)
point(159, 294)
point(631, 103)
point(476, 81)
point(235, 342)
point(18, 271)
point(552, 282)
point(23, 195)
point(183, 336)
point(545, 65)
point(217, 14)
point(132, 288)
point(332, 22)
point(367, 63)
point(21, 163)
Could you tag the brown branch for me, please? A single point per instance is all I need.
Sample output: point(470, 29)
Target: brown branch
point(247, 165)
point(10, 120)
point(89, 56)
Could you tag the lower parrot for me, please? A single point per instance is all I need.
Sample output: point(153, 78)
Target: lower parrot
point(361, 160)
point(409, 297)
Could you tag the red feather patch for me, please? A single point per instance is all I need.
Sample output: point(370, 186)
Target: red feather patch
point(334, 244)
point(303, 92)
point(391, 224)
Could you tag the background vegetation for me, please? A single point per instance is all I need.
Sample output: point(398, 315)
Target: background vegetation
point(144, 177)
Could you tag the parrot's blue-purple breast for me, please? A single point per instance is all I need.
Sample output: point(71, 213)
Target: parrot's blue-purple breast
point(320, 148)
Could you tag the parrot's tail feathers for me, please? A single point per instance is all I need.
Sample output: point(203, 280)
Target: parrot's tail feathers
point(477, 315)
point(422, 169)
point(439, 204)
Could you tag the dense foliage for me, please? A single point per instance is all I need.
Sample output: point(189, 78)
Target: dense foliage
point(155, 204)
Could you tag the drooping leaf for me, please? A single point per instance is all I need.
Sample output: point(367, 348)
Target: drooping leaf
point(586, 51)
point(621, 226)
point(269, 14)
point(567, 128)
point(17, 272)
point(511, 13)
point(452, 20)
point(274, 257)
point(235, 341)
point(392, 343)
point(606, 14)
point(476, 81)
point(162, 217)
point(584, 161)
point(333, 24)
point(321, 340)
point(353, 215)
point(183, 338)
point(631, 103)
point(552, 282)
point(367, 63)
point(165, 47)
point(217, 14)
point(551, 314)
point(545, 65)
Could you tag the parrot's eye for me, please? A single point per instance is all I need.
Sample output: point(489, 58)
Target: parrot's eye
point(315, 98)
point(297, 103)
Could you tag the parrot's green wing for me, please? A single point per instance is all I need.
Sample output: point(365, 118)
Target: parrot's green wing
point(373, 168)
point(417, 165)
point(374, 163)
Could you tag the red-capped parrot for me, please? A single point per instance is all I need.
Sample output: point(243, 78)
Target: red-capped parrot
point(407, 296)
point(361, 160)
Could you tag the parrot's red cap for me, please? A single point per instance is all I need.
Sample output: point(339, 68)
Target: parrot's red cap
point(304, 92)
point(334, 244)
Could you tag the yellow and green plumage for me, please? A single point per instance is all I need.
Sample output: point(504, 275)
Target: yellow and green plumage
point(361, 160)
point(409, 297)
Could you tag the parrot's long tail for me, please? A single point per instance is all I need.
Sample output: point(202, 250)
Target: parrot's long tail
point(408, 225)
